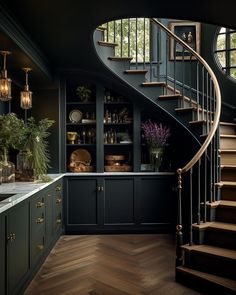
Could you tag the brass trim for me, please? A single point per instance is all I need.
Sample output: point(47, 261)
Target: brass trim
point(215, 124)
point(39, 204)
point(39, 220)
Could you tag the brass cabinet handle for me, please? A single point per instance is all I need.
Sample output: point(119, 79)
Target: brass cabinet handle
point(58, 221)
point(58, 201)
point(58, 188)
point(102, 188)
point(49, 195)
point(40, 247)
point(39, 220)
point(98, 188)
point(39, 204)
point(11, 237)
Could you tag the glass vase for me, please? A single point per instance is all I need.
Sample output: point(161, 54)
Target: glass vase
point(8, 169)
point(155, 155)
point(23, 165)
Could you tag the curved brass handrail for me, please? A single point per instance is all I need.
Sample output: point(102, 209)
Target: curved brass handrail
point(216, 120)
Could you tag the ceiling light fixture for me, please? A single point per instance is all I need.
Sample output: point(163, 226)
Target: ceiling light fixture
point(26, 95)
point(5, 82)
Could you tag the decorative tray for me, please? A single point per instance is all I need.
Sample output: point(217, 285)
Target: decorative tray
point(118, 168)
point(75, 116)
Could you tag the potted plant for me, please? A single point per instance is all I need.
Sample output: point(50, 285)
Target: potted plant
point(83, 92)
point(156, 137)
point(11, 133)
point(34, 146)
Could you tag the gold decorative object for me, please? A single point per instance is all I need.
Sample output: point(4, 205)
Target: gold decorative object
point(71, 136)
point(80, 161)
point(114, 164)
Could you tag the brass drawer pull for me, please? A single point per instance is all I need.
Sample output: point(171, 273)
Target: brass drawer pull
point(39, 204)
point(58, 201)
point(58, 221)
point(39, 220)
point(40, 247)
point(58, 188)
point(11, 237)
point(49, 195)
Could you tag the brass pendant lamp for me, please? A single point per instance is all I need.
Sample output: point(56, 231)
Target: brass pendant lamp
point(26, 95)
point(5, 82)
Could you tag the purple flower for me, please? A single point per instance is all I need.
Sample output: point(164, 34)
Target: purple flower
point(155, 135)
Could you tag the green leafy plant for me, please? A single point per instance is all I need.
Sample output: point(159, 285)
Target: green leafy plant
point(83, 92)
point(34, 141)
point(12, 131)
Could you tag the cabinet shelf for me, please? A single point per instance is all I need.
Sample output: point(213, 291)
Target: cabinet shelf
point(80, 103)
point(81, 124)
point(117, 103)
point(118, 124)
point(81, 144)
point(118, 144)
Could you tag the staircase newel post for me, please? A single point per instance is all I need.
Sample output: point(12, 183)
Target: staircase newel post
point(179, 234)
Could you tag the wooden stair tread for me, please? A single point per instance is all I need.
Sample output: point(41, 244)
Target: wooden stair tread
point(118, 58)
point(228, 283)
point(228, 136)
point(109, 44)
point(226, 183)
point(223, 226)
point(228, 124)
point(228, 167)
point(227, 151)
point(195, 108)
point(153, 84)
point(169, 96)
point(228, 204)
point(101, 28)
point(212, 250)
point(135, 72)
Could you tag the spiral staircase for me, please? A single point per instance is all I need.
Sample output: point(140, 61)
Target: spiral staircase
point(206, 213)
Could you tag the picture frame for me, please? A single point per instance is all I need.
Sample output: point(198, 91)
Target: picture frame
point(189, 32)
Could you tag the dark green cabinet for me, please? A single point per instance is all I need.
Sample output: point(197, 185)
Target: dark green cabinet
point(118, 203)
point(2, 253)
point(82, 201)
point(18, 261)
point(155, 200)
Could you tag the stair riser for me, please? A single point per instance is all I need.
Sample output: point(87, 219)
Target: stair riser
point(228, 159)
point(221, 238)
point(228, 193)
point(152, 92)
point(213, 264)
point(117, 66)
point(229, 130)
point(228, 143)
point(226, 214)
point(228, 175)
point(201, 284)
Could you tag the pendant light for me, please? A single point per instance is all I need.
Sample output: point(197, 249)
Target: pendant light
point(26, 95)
point(5, 82)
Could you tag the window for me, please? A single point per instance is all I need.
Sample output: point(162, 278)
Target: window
point(132, 37)
point(226, 51)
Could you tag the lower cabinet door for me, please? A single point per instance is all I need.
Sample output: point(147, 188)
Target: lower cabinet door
point(17, 246)
point(2, 254)
point(49, 233)
point(119, 201)
point(81, 201)
point(37, 245)
point(155, 200)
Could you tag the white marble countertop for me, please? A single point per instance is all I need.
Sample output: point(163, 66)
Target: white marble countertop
point(22, 191)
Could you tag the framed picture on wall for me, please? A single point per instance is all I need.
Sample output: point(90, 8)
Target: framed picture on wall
point(187, 31)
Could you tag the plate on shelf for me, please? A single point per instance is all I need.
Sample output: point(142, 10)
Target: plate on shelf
point(75, 116)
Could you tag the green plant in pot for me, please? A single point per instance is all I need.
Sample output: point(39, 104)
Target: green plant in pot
point(83, 92)
point(11, 133)
point(35, 146)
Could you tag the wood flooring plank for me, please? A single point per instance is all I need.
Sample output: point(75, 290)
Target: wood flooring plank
point(109, 265)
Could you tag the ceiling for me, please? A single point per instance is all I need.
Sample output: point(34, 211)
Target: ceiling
point(63, 29)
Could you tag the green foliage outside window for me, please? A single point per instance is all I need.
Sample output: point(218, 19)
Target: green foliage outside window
point(124, 32)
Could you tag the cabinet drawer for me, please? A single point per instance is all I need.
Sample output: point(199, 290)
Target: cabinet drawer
point(37, 245)
point(37, 206)
point(38, 222)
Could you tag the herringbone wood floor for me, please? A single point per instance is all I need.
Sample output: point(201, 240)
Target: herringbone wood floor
point(109, 265)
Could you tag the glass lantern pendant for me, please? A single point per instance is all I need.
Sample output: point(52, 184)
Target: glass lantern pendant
point(26, 95)
point(5, 82)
